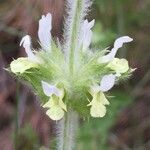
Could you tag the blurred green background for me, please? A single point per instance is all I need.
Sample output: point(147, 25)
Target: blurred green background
point(23, 124)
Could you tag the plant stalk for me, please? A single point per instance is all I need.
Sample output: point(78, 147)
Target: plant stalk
point(74, 35)
point(76, 13)
point(67, 129)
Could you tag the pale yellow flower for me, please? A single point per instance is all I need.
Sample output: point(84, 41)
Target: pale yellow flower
point(99, 101)
point(119, 65)
point(98, 108)
point(21, 64)
point(55, 105)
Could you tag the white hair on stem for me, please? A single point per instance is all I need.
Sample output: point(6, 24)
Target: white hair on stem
point(68, 25)
point(65, 130)
point(76, 11)
point(60, 125)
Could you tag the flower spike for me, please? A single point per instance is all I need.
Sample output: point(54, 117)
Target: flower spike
point(72, 66)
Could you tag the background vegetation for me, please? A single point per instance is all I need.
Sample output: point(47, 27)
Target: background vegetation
point(23, 124)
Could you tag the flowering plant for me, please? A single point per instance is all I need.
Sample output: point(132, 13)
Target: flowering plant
point(70, 75)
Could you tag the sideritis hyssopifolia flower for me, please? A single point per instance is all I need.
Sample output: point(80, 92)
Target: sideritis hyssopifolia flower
point(68, 74)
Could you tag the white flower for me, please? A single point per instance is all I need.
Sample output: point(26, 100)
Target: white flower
point(107, 82)
point(118, 44)
point(98, 108)
point(55, 105)
point(26, 42)
point(86, 34)
point(44, 32)
point(50, 89)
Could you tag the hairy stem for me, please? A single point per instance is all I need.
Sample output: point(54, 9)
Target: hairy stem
point(74, 37)
point(76, 13)
point(67, 129)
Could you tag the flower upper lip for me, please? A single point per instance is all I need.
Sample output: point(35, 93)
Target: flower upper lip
point(86, 34)
point(50, 89)
point(26, 42)
point(107, 82)
point(118, 44)
point(44, 32)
